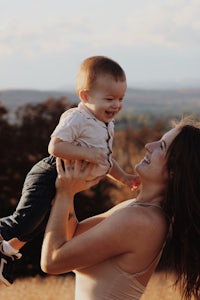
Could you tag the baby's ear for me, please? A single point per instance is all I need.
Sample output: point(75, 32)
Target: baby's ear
point(83, 95)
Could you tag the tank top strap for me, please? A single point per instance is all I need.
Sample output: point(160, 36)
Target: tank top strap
point(158, 256)
point(145, 204)
point(155, 260)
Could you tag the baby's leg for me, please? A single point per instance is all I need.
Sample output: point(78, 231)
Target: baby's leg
point(30, 216)
point(35, 203)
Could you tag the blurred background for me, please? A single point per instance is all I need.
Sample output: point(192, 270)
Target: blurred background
point(42, 44)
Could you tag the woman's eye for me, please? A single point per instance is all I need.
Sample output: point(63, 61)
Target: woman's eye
point(162, 145)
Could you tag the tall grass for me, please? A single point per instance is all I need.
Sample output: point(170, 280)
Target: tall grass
point(62, 288)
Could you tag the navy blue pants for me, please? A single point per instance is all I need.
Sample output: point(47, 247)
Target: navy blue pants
point(32, 211)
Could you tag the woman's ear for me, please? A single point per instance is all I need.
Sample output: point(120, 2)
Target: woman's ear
point(83, 95)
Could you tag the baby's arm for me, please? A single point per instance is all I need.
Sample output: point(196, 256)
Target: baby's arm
point(120, 175)
point(116, 172)
point(66, 150)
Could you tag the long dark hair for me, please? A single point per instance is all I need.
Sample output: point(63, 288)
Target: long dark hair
point(182, 206)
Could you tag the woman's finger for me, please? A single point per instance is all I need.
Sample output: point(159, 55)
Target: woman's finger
point(68, 166)
point(63, 166)
point(82, 169)
point(59, 167)
point(86, 169)
point(76, 168)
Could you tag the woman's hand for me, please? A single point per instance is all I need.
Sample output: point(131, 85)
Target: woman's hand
point(73, 177)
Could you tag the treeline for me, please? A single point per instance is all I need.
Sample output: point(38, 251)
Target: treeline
point(25, 141)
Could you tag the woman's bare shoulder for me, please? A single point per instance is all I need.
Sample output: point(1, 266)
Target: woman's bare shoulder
point(145, 223)
point(122, 204)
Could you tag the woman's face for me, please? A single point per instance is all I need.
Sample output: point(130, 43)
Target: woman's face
point(153, 166)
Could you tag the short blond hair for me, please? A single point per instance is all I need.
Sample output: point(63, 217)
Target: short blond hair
point(94, 66)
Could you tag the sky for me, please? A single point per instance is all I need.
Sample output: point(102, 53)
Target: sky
point(43, 42)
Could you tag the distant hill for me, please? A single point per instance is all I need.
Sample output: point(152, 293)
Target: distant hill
point(163, 101)
point(12, 99)
point(152, 101)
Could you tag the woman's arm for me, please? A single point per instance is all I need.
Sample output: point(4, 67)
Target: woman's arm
point(93, 221)
point(88, 246)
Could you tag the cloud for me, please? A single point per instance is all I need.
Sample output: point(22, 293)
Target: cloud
point(172, 24)
point(33, 39)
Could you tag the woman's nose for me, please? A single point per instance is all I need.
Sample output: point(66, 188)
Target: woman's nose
point(150, 146)
point(147, 147)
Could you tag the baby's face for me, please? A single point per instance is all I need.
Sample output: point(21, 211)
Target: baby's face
point(106, 98)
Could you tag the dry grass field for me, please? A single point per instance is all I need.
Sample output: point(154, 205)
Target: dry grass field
point(62, 288)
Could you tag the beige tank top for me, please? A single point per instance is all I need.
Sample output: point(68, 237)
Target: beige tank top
point(107, 281)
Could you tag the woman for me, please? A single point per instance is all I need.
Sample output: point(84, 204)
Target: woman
point(115, 253)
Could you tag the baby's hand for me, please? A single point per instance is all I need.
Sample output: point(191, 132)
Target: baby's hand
point(133, 181)
point(96, 156)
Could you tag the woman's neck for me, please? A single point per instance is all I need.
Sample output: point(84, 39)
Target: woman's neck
point(153, 196)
